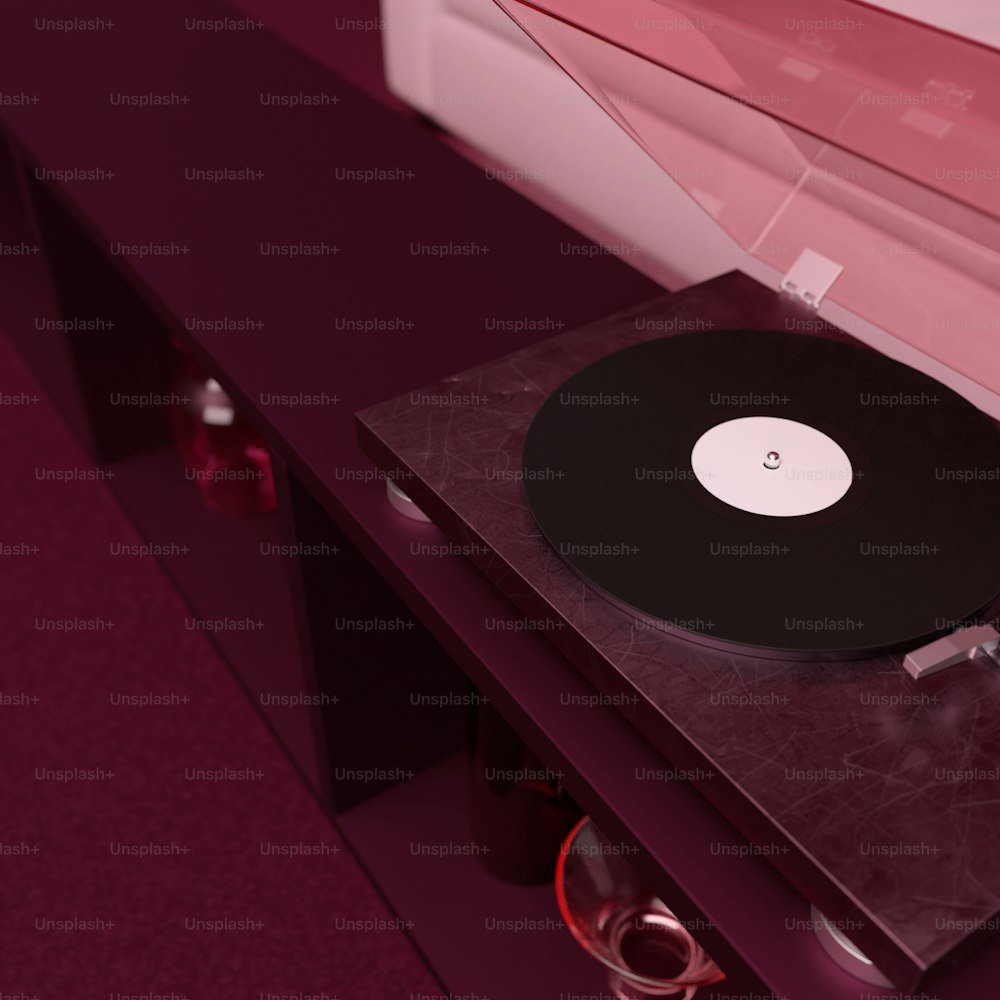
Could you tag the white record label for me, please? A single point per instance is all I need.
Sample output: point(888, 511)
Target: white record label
point(769, 465)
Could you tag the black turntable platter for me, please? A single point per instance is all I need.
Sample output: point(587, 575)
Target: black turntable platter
point(778, 493)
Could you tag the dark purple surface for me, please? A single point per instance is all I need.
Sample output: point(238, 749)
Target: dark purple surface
point(752, 722)
point(367, 271)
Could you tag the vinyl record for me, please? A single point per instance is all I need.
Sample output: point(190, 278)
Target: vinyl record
point(771, 493)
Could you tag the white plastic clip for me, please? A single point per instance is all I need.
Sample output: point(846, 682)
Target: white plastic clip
point(811, 277)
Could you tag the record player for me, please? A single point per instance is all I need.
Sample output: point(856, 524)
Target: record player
point(766, 508)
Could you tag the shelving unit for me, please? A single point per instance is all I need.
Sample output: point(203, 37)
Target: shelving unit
point(501, 941)
point(239, 593)
point(371, 562)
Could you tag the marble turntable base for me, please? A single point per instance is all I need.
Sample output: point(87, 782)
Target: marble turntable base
point(875, 795)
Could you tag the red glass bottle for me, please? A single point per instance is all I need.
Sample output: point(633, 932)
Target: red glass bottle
point(222, 452)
